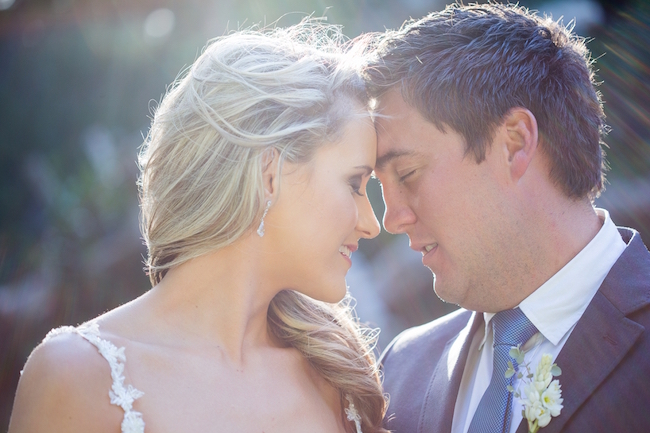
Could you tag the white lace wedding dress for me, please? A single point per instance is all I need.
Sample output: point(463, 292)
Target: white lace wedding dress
point(121, 395)
point(124, 395)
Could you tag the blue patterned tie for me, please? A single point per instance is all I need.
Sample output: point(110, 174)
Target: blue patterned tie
point(494, 412)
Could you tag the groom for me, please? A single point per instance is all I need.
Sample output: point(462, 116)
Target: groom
point(489, 156)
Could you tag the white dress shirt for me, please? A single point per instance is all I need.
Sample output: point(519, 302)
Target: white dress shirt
point(554, 308)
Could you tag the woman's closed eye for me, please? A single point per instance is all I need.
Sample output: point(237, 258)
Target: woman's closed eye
point(355, 183)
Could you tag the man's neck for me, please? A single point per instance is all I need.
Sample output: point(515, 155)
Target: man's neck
point(557, 234)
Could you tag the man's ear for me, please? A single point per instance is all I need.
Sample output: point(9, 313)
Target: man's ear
point(521, 140)
point(270, 163)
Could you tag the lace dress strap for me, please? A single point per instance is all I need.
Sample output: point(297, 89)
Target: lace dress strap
point(120, 395)
point(353, 414)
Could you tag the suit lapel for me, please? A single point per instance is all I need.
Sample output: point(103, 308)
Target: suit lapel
point(438, 408)
point(598, 343)
point(523, 426)
point(603, 335)
point(596, 346)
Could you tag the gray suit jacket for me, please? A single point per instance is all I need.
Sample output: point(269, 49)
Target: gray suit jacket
point(605, 362)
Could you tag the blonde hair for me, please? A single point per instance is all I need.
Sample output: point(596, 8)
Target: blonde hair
point(201, 187)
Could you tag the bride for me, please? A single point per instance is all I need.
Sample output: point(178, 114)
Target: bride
point(252, 190)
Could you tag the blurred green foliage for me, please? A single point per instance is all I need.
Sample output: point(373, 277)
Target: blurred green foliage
point(77, 84)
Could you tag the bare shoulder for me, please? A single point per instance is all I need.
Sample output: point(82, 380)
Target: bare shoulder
point(64, 388)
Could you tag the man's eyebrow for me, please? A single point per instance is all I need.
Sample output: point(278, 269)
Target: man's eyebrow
point(393, 154)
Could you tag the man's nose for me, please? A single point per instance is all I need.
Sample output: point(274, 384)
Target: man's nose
point(398, 215)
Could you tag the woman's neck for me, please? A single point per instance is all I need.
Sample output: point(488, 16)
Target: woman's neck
point(220, 298)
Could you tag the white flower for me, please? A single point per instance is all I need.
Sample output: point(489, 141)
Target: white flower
point(544, 418)
point(530, 395)
point(541, 396)
point(533, 411)
point(543, 374)
point(552, 398)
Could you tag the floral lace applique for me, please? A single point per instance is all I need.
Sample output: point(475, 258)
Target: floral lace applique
point(353, 414)
point(120, 395)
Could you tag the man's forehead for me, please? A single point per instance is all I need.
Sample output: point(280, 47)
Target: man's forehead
point(401, 130)
point(391, 155)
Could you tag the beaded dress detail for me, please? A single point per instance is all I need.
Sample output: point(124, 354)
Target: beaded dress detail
point(120, 395)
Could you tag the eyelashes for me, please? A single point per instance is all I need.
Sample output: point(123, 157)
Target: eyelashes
point(355, 184)
point(403, 178)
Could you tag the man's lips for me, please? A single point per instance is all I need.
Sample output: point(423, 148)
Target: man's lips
point(424, 248)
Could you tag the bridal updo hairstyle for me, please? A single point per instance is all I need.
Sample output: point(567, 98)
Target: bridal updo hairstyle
point(289, 89)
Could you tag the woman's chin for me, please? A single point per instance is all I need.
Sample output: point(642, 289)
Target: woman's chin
point(330, 294)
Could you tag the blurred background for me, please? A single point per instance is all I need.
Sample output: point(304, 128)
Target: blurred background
point(77, 83)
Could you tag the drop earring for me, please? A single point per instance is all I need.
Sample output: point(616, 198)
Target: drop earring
point(260, 229)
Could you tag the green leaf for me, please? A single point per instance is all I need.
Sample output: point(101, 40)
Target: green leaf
point(510, 388)
point(530, 376)
point(520, 375)
point(520, 358)
point(514, 352)
point(556, 371)
point(509, 373)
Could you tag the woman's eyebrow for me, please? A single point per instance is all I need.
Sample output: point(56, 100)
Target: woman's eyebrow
point(365, 168)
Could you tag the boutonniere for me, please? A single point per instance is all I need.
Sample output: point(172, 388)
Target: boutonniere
point(540, 395)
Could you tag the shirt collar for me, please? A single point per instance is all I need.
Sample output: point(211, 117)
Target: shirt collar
point(557, 305)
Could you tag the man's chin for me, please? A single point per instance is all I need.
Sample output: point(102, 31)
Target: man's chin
point(448, 293)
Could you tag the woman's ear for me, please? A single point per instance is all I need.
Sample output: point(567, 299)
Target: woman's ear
point(522, 139)
point(270, 163)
